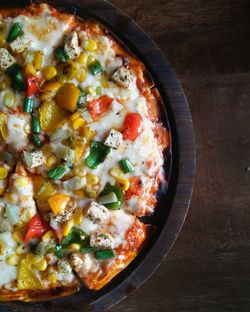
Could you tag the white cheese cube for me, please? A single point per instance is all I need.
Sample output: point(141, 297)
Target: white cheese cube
point(123, 76)
point(20, 43)
point(114, 139)
point(101, 240)
point(33, 159)
point(71, 46)
point(97, 213)
point(6, 59)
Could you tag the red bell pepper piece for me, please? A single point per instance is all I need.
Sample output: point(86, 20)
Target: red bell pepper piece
point(99, 106)
point(36, 228)
point(131, 126)
point(33, 85)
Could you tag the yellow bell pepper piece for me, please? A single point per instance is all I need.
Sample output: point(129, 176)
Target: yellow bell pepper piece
point(27, 278)
point(41, 265)
point(67, 97)
point(52, 116)
point(58, 203)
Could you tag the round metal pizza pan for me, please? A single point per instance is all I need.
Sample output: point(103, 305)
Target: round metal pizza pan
point(180, 161)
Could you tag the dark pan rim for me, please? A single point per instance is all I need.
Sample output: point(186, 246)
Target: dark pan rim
point(176, 116)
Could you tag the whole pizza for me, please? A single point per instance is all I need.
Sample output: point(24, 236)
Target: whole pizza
point(81, 154)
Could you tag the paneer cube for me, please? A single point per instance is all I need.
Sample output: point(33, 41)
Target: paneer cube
point(114, 139)
point(33, 159)
point(71, 46)
point(6, 59)
point(101, 240)
point(97, 213)
point(20, 43)
point(123, 76)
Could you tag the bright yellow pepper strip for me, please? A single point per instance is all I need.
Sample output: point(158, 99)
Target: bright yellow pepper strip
point(58, 203)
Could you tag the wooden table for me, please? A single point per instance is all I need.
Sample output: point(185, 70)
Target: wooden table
point(208, 44)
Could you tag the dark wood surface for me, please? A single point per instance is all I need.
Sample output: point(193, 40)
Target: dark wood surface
point(208, 44)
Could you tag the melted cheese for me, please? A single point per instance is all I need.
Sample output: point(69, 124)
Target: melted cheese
point(45, 31)
point(8, 272)
point(18, 128)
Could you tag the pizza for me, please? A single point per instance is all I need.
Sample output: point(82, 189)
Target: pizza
point(81, 154)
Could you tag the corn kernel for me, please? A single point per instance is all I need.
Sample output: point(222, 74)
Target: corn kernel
point(75, 116)
point(13, 260)
point(82, 58)
point(41, 265)
point(90, 192)
point(51, 161)
point(89, 45)
point(90, 90)
point(30, 70)
point(17, 236)
point(80, 171)
point(33, 259)
point(90, 59)
point(3, 173)
point(49, 72)
point(22, 249)
point(91, 179)
point(9, 99)
point(79, 122)
point(116, 173)
point(20, 182)
point(81, 75)
point(74, 247)
point(48, 236)
point(104, 81)
point(38, 60)
point(123, 184)
point(77, 216)
point(67, 227)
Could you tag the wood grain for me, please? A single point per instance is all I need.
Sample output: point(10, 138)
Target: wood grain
point(207, 43)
